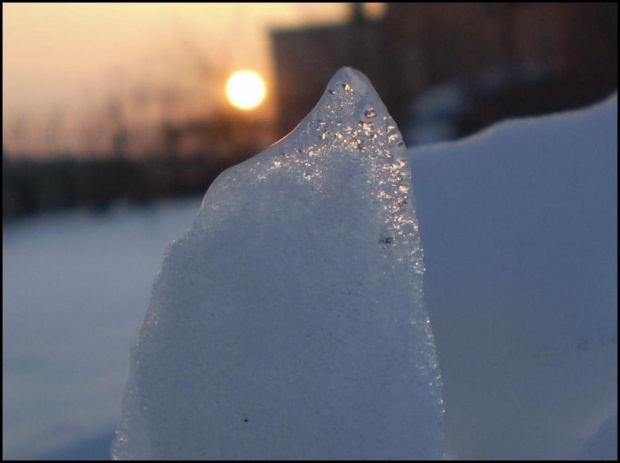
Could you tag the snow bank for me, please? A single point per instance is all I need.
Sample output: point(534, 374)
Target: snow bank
point(519, 228)
point(288, 322)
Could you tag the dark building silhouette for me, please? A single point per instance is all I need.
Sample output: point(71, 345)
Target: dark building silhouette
point(416, 46)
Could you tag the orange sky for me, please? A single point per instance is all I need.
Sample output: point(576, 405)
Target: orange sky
point(51, 50)
point(65, 57)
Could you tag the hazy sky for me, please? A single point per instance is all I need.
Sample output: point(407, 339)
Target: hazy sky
point(60, 57)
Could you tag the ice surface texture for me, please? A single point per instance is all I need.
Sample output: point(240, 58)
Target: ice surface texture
point(289, 321)
point(519, 226)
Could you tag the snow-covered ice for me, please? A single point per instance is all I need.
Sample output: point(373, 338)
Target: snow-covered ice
point(289, 321)
point(519, 227)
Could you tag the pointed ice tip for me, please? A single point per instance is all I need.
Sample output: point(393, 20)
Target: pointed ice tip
point(348, 101)
point(354, 78)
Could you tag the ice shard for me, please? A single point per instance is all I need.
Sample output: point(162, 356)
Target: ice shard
point(289, 323)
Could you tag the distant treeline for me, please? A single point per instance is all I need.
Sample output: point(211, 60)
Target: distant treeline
point(30, 187)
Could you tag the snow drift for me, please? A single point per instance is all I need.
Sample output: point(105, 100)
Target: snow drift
point(519, 227)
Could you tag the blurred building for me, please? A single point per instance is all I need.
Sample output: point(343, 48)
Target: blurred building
point(509, 59)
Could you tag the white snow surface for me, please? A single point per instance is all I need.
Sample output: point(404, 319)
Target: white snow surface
point(519, 228)
point(75, 285)
point(288, 322)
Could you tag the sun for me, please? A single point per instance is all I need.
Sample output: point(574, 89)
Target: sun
point(245, 89)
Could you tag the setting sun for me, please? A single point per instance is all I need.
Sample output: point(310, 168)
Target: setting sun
point(245, 89)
